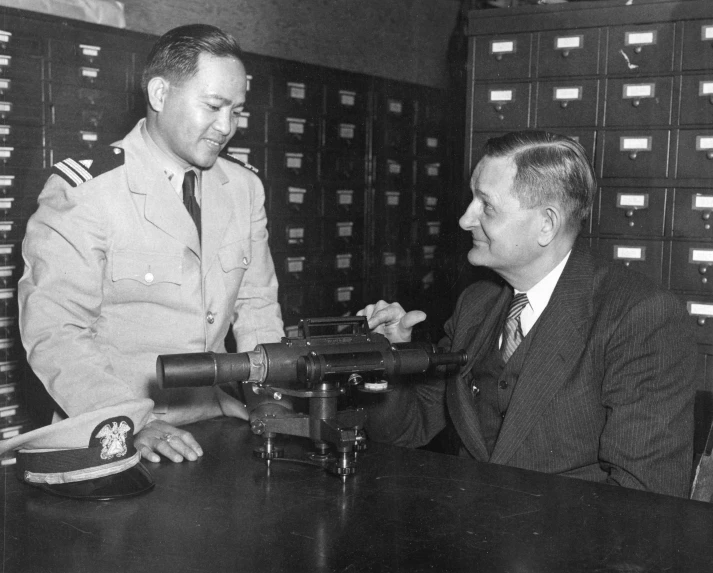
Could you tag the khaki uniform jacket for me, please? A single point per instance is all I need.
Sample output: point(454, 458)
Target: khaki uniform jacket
point(115, 275)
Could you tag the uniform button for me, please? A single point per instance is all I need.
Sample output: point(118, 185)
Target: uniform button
point(245, 260)
point(210, 317)
point(148, 277)
point(503, 384)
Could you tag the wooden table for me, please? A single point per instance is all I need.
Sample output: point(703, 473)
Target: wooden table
point(404, 510)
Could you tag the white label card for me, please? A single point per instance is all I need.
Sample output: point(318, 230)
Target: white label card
point(568, 42)
point(703, 201)
point(502, 46)
point(707, 32)
point(295, 125)
point(394, 168)
point(6, 180)
point(296, 91)
point(501, 95)
point(344, 261)
point(8, 366)
point(6, 152)
point(640, 38)
point(296, 195)
point(432, 142)
point(434, 228)
point(4, 84)
point(90, 72)
point(250, 79)
point(567, 94)
point(345, 197)
point(389, 259)
point(392, 198)
point(89, 51)
point(5, 36)
point(295, 264)
point(6, 203)
point(639, 90)
point(5, 61)
point(636, 201)
point(345, 229)
point(347, 98)
point(395, 106)
point(430, 202)
point(5, 106)
point(346, 130)
point(432, 169)
point(704, 142)
point(699, 309)
point(293, 160)
point(296, 232)
point(243, 120)
point(705, 88)
point(635, 143)
point(344, 294)
point(701, 255)
point(89, 136)
point(629, 253)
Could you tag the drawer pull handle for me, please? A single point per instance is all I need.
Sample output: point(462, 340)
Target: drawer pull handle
point(565, 53)
point(564, 104)
point(498, 107)
point(703, 269)
point(633, 155)
point(638, 49)
point(636, 102)
point(706, 215)
point(709, 154)
point(499, 57)
point(629, 213)
point(701, 321)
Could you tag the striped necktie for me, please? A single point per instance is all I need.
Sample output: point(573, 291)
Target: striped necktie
point(189, 198)
point(512, 335)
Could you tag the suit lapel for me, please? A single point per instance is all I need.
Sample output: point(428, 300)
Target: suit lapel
point(485, 314)
point(215, 209)
point(163, 207)
point(559, 338)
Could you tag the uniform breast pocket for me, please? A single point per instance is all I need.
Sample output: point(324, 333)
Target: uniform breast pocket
point(146, 277)
point(235, 259)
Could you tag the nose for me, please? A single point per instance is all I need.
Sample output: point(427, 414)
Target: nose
point(471, 217)
point(223, 123)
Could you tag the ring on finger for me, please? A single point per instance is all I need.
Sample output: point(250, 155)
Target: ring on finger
point(166, 437)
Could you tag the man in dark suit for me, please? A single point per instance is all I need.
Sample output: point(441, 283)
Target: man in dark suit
point(576, 366)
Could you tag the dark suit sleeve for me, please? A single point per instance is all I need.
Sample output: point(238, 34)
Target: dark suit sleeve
point(411, 415)
point(648, 395)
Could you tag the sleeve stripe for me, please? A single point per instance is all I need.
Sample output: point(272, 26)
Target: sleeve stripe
point(79, 168)
point(68, 174)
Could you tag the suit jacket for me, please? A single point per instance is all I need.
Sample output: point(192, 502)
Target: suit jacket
point(115, 274)
point(605, 392)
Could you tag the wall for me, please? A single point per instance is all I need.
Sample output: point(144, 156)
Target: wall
point(399, 39)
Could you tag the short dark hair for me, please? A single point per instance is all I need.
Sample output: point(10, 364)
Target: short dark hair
point(550, 168)
point(174, 56)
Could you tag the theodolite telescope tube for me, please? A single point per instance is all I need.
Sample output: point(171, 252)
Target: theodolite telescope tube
point(201, 369)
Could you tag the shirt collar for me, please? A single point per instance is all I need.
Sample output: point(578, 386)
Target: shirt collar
point(539, 295)
point(171, 169)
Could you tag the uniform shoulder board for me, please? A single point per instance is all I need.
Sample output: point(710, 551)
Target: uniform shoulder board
point(231, 157)
point(78, 171)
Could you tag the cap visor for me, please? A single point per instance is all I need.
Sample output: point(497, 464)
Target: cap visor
point(134, 481)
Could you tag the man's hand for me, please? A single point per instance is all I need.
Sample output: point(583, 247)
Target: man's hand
point(158, 437)
point(391, 320)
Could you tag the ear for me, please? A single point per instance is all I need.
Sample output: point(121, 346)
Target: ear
point(157, 89)
point(552, 222)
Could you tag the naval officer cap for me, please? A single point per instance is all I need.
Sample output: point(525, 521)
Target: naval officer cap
point(89, 456)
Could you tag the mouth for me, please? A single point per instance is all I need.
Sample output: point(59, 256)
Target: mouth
point(216, 145)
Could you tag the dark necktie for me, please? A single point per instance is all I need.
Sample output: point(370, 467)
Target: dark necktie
point(512, 335)
point(189, 198)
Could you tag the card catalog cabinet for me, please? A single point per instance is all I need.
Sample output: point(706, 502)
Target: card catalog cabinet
point(634, 84)
point(342, 217)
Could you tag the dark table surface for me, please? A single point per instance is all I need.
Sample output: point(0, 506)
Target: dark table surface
point(404, 510)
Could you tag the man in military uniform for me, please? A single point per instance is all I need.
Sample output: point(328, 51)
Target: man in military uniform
point(156, 245)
